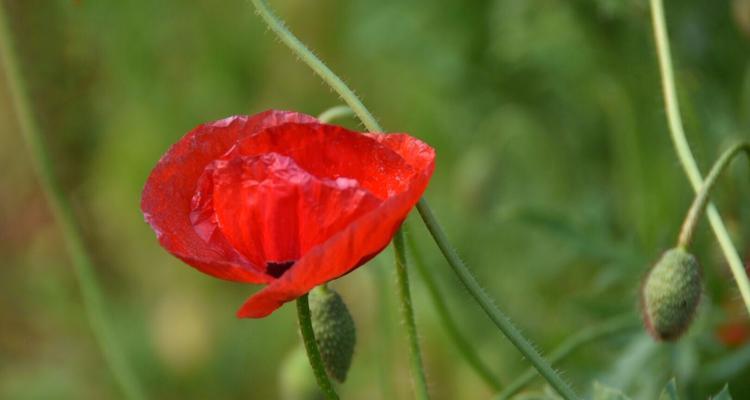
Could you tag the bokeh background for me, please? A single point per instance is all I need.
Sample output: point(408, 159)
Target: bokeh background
point(556, 181)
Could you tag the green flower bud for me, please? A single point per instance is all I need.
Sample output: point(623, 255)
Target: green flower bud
point(334, 330)
point(670, 294)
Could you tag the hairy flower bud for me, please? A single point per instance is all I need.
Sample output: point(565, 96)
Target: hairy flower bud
point(670, 294)
point(334, 330)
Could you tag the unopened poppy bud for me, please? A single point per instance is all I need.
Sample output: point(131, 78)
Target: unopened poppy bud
point(670, 294)
point(334, 331)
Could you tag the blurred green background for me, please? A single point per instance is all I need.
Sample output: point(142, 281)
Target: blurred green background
point(556, 181)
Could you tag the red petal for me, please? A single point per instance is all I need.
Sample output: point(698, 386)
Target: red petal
point(272, 211)
point(354, 245)
point(328, 151)
point(166, 198)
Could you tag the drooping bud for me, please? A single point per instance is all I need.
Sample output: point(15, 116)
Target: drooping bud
point(334, 330)
point(670, 294)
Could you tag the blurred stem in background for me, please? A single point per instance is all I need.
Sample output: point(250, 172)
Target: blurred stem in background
point(311, 347)
point(450, 325)
point(683, 148)
point(583, 337)
point(82, 265)
point(498, 317)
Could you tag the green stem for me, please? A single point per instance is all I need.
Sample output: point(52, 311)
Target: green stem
point(311, 346)
point(683, 149)
point(500, 320)
point(407, 314)
point(447, 321)
point(701, 199)
point(372, 125)
point(495, 314)
point(335, 113)
point(583, 337)
point(82, 266)
point(312, 61)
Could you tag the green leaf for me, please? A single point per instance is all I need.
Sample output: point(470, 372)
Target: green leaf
point(724, 394)
point(670, 391)
point(603, 392)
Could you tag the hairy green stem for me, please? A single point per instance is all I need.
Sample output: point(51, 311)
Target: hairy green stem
point(571, 344)
point(335, 113)
point(701, 199)
point(461, 343)
point(407, 314)
point(312, 61)
point(83, 268)
point(500, 320)
point(683, 149)
point(372, 125)
point(311, 347)
point(496, 315)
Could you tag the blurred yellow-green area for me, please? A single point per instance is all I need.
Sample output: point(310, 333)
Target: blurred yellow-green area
point(556, 181)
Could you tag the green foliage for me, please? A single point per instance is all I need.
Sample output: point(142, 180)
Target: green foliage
point(670, 391)
point(603, 392)
point(723, 394)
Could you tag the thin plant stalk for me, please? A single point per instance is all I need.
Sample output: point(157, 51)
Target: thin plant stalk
point(701, 199)
point(450, 325)
point(407, 315)
point(299, 48)
point(83, 268)
point(683, 148)
point(311, 347)
point(496, 315)
point(581, 338)
point(346, 94)
point(334, 113)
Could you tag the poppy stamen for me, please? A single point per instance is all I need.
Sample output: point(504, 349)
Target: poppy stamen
point(276, 269)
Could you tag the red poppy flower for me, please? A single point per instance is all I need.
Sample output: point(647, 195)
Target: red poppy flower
point(279, 198)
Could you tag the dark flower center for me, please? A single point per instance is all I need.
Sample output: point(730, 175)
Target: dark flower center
point(276, 269)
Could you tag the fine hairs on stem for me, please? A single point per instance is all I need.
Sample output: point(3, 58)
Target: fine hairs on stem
point(450, 324)
point(498, 317)
point(311, 347)
point(82, 266)
point(407, 314)
point(683, 149)
point(585, 336)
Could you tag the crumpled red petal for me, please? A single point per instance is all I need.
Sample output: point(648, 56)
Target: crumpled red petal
point(167, 195)
point(280, 198)
point(359, 241)
point(271, 210)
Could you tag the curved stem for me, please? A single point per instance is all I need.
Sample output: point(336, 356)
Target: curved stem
point(407, 314)
point(571, 344)
point(82, 265)
point(450, 325)
point(701, 199)
point(311, 346)
point(335, 113)
point(309, 58)
point(500, 320)
point(497, 316)
point(683, 149)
